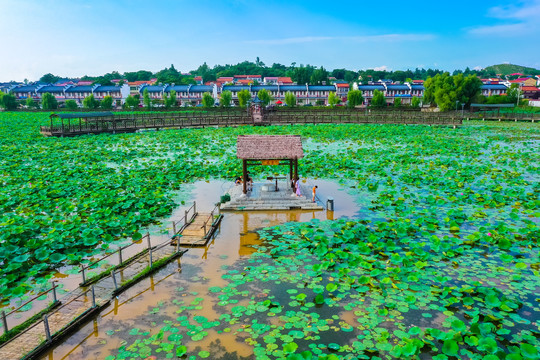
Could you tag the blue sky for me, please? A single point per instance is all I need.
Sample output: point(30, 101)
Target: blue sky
point(84, 37)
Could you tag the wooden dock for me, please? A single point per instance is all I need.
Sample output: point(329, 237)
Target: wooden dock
point(125, 122)
point(94, 294)
point(199, 231)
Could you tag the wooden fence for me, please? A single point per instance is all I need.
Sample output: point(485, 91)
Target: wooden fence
point(132, 122)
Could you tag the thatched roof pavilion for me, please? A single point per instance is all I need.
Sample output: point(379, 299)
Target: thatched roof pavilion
point(269, 150)
point(267, 147)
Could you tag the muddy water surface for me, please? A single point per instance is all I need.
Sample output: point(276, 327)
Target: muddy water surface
point(155, 299)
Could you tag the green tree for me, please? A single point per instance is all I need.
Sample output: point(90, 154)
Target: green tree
point(319, 76)
point(48, 102)
point(7, 101)
point(290, 99)
point(243, 97)
point(71, 104)
point(264, 96)
point(415, 102)
point(207, 100)
point(132, 102)
point(146, 99)
point(513, 93)
point(90, 102)
point(378, 100)
point(332, 99)
point(354, 98)
point(107, 102)
point(166, 100)
point(397, 103)
point(30, 103)
point(444, 90)
point(49, 78)
point(226, 97)
point(172, 98)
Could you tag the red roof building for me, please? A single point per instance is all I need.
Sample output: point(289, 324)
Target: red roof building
point(285, 81)
point(530, 92)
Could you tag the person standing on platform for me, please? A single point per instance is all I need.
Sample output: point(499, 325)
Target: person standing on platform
point(297, 186)
point(314, 193)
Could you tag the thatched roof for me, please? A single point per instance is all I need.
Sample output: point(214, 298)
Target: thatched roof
point(269, 147)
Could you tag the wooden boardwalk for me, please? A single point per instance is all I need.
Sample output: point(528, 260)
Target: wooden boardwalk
point(199, 231)
point(84, 302)
point(78, 306)
point(123, 123)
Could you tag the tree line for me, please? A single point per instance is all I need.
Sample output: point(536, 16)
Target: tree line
point(300, 74)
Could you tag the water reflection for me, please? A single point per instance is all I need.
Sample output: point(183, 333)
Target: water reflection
point(147, 303)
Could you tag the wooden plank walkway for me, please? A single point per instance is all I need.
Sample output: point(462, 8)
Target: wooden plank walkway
point(198, 231)
point(122, 123)
point(75, 305)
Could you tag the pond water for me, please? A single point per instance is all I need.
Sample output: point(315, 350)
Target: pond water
point(155, 299)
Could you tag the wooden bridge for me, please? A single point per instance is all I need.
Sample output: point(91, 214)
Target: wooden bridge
point(37, 334)
point(73, 124)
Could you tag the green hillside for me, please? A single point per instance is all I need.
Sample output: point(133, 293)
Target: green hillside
point(507, 69)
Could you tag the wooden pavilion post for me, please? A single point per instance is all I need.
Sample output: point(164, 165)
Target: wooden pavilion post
point(244, 176)
point(291, 172)
point(295, 168)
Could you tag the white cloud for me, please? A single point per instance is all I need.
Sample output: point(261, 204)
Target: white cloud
point(361, 38)
point(381, 68)
point(519, 19)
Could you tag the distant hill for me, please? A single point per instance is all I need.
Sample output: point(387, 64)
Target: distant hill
point(507, 69)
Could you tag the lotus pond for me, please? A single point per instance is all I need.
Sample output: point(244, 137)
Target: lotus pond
point(440, 261)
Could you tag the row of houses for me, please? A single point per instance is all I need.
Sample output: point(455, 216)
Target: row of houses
point(192, 94)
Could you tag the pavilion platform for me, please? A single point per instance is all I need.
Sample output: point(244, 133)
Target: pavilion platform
point(264, 196)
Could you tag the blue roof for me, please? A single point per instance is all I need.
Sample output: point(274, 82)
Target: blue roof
point(417, 87)
point(370, 87)
point(177, 88)
point(494, 87)
point(322, 88)
point(292, 88)
point(82, 88)
point(201, 88)
point(104, 88)
point(397, 87)
point(151, 88)
point(267, 87)
point(235, 87)
point(28, 88)
point(51, 89)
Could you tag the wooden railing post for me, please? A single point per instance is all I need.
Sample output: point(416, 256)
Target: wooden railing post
point(120, 256)
point(4, 322)
point(55, 300)
point(113, 273)
point(174, 228)
point(47, 330)
point(93, 297)
point(83, 277)
point(194, 207)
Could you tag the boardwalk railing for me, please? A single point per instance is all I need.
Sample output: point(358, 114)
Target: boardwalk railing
point(73, 311)
point(122, 122)
point(208, 222)
point(5, 317)
point(506, 116)
point(181, 224)
point(121, 262)
point(54, 323)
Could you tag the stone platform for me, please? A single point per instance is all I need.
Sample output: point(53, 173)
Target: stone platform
point(263, 196)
